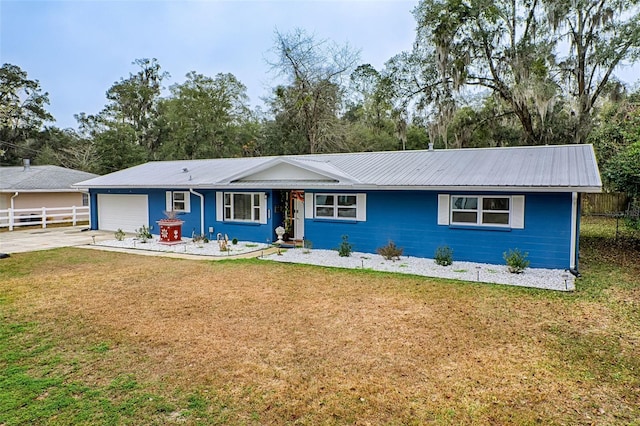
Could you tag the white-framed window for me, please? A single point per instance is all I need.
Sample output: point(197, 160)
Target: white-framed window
point(480, 210)
point(85, 199)
point(178, 201)
point(336, 206)
point(506, 211)
point(243, 206)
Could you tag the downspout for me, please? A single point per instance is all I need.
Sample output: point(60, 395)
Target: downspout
point(13, 214)
point(573, 262)
point(201, 209)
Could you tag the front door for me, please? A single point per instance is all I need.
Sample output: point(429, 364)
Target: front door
point(298, 215)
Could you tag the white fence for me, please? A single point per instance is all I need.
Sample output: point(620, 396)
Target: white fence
point(43, 216)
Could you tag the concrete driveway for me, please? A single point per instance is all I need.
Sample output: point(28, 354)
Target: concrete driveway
point(33, 239)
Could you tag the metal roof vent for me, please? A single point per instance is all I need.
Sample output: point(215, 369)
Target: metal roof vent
point(27, 164)
point(430, 146)
point(185, 170)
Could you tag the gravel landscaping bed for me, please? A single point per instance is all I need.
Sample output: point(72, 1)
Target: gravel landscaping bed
point(187, 246)
point(549, 279)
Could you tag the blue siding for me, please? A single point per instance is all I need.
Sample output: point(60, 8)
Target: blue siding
point(157, 205)
point(409, 218)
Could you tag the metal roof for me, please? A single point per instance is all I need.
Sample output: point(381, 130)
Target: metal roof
point(535, 168)
point(41, 178)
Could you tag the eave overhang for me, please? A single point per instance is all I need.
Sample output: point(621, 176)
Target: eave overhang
point(315, 185)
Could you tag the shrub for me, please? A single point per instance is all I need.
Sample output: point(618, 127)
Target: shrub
point(443, 256)
point(119, 234)
point(199, 238)
point(516, 261)
point(144, 234)
point(234, 241)
point(390, 251)
point(346, 247)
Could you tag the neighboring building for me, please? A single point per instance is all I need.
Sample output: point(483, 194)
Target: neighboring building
point(479, 202)
point(32, 187)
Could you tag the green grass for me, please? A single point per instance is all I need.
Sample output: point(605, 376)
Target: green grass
point(34, 388)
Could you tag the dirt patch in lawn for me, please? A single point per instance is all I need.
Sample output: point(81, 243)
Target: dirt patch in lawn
point(288, 343)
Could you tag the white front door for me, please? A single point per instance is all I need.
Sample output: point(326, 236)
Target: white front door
point(298, 219)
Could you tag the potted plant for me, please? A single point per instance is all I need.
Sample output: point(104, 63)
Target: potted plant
point(170, 228)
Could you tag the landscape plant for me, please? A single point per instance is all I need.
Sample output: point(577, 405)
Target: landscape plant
point(345, 248)
point(199, 239)
point(144, 234)
point(516, 261)
point(119, 234)
point(443, 256)
point(390, 251)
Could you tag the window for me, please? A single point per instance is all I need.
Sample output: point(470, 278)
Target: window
point(239, 206)
point(85, 199)
point(488, 211)
point(178, 201)
point(336, 206)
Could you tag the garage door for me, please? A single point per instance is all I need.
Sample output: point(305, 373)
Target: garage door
point(126, 212)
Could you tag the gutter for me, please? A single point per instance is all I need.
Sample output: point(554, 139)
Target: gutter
point(201, 209)
point(11, 219)
point(360, 186)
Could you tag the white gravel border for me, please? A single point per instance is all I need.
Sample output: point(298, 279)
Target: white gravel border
point(186, 246)
point(548, 279)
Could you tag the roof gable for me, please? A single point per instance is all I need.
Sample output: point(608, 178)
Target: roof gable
point(293, 170)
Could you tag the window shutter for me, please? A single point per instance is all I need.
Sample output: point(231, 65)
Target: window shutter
point(219, 206)
point(361, 210)
point(517, 212)
point(169, 203)
point(187, 202)
point(443, 209)
point(308, 205)
point(263, 208)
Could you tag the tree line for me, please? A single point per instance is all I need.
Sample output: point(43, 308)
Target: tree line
point(480, 73)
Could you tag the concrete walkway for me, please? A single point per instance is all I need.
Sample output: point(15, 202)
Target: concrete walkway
point(34, 239)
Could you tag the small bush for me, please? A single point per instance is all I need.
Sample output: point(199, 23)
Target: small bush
point(234, 241)
point(390, 251)
point(346, 247)
point(443, 256)
point(144, 234)
point(119, 234)
point(199, 238)
point(516, 261)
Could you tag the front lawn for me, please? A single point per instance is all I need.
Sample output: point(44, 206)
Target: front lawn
point(91, 337)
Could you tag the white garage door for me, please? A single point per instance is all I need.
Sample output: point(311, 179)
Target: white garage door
point(126, 212)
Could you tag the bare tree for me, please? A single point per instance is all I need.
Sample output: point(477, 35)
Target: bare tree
point(314, 71)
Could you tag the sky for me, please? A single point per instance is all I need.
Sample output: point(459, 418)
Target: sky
point(77, 49)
